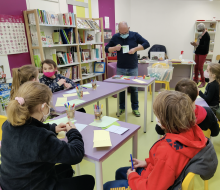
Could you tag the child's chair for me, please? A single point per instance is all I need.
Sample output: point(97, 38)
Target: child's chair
point(188, 182)
point(2, 120)
point(167, 85)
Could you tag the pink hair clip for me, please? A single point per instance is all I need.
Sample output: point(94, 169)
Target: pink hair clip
point(20, 100)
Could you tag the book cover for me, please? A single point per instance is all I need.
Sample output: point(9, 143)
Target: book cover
point(61, 58)
point(66, 37)
point(73, 19)
point(49, 39)
point(39, 17)
point(60, 16)
point(51, 54)
point(93, 54)
point(37, 59)
point(67, 19)
point(63, 37)
point(97, 53)
point(90, 37)
point(96, 25)
point(76, 57)
point(43, 38)
point(65, 58)
point(87, 54)
point(70, 58)
point(74, 73)
point(69, 34)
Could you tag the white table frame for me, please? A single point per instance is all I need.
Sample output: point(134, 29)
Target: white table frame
point(145, 100)
point(98, 164)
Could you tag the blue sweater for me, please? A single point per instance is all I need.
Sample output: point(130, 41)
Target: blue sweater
point(127, 61)
point(52, 83)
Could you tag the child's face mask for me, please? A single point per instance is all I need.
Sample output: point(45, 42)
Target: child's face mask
point(49, 74)
point(48, 70)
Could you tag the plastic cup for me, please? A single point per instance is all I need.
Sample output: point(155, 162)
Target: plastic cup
point(94, 85)
point(98, 115)
point(70, 114)
point(80, 93)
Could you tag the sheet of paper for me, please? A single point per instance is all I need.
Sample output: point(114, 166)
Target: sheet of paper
point(85, 93)
point(117, 129)
point(71, 91)
point(60, 102)
point(80, 127)
point(105, 122)
point(139, 81)
point(107, 24)
point(58, 121)
point(101, 138)
point(61, 135)
point(115, 123)
point(76, 102)
point(69, 95)
point(89, 85)
point(125, 48)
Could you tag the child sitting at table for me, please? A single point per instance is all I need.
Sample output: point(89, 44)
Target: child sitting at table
point(22, 75)
point(211, 95)
point(56, 82)
point(205, 118)
point(168, 156)
point(30, 149)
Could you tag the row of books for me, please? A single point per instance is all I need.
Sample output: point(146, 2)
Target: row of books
point(70, 72)
point(46, 17)
point(90, 54)
point(89, 36)
point(89, 24)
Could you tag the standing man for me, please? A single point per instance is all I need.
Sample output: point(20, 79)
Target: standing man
point(126, 43)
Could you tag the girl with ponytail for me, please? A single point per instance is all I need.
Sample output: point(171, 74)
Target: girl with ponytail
point(22, 75)
point(211, 95)
point(30, 148)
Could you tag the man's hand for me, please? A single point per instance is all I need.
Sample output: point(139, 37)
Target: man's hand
point(130, 171)
point(118, 47)
point(139, 163)
point(60, 127)
point(132, 51)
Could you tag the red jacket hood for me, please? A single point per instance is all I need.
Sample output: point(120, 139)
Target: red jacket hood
point(200, 114)
point(187, 143)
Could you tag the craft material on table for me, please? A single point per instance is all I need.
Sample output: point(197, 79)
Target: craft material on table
point(71, 91)
point(105, 122)
point(117, 129)
point(74, 94)
point(125, 77)
point(70, 111)
point(98, 112)
point(115, 123)
point(80, 127)
point(79, 91)
point(101, 139)
point(89, 85)
point(125, 48)
point(60, 101)
point(75, 101)
point(94, 84)
point(139, 81)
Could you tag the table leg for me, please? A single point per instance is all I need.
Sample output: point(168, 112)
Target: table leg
point(77, 169)
point(118, 104)
point(135, 145)
point(99, 177)
point(191, 72)
point(145, 109)
point(107, 110)
point(126, 110)
point(152, 112)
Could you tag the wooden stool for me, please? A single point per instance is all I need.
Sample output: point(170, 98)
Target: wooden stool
point(167, 85)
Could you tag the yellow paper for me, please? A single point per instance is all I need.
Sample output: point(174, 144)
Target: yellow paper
point(84, 93)
point(101, 138)
point(61, 135)
point(69, 95)
point(60, 102)
point(139, 81)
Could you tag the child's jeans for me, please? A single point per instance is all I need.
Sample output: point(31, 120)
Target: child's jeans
point(120, 179)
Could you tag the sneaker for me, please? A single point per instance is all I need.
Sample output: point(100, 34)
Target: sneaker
point(121, 111)
point(202, 85)
point(136, 113)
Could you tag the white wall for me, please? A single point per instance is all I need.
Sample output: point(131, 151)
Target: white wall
point(167, 22)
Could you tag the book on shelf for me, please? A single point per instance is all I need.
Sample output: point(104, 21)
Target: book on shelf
point(43, 38)
point(87, 24)
point(46, 17)
point(90, 36)
point(60, 59)
point(86, 54)
point(73, 52)
point(51, 54)
point(66, 72)
point(34, 36)
point(64, 58)
point(74, 72)
point(37, 59)
point(49, 39)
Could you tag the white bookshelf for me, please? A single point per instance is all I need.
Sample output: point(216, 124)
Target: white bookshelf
point(48, 29)
point(212, 37)
point(91, 75)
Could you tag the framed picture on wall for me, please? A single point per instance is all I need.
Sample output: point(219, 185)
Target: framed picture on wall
point(99, 67)
point(107, 35)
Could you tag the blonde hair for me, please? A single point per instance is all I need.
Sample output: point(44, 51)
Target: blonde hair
point(33, 93)
point(22, 75)
point(174, 111)
point(214, 68)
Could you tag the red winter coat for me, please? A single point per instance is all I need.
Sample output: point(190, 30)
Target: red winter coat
point(167, 158)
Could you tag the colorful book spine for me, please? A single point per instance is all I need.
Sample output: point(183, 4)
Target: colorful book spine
point(66, 37)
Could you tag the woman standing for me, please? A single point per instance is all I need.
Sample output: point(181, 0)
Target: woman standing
point(202, 49)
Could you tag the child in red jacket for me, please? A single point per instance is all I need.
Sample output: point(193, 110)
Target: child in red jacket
point(168, 156)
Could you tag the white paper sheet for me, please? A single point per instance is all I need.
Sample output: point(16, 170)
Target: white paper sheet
point(71, 91)
point(117, 129)
point(125, 48)
point(80, 127)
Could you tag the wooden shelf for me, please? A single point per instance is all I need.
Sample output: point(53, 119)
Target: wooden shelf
point(68, 65)
point(63, 26)
point(92, 75)
point(90, 61)
point(82, 44)
point(59, 45)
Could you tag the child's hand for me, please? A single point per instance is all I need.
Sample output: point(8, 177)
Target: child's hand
point(67, 85)
point(69, 126)
point(60, 127)
point(61, 81)
point(130, 171)
point(139, 163)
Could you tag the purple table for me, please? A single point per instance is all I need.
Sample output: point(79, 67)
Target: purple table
point(98, 155)
point(201, 102)
point(136, 84)
point(104, 90)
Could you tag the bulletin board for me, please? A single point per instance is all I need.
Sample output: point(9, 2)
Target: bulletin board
point(12, 35)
